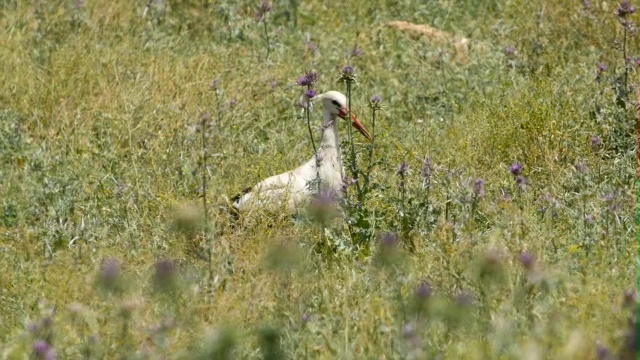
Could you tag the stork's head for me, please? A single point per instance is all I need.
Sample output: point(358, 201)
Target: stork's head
point(334, 104)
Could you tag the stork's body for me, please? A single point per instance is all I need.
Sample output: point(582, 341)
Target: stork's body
point(293, 188)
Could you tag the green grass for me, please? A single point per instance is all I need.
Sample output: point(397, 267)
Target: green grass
point(100, 157)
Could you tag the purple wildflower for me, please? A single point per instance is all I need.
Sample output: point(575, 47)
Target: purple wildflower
point(262, 10)
point(464, 299)
point(402, 170)
point(312, 77)
point(347, 182)
point(595, 142)
point(510, 52)
point(214, 84)
point(44, 351)
point(602, 353)
point(478, 188)
point(109, 270)
point(521, 181)
point(389, 240)
point(348, 70)
point(423, 291)
point(302, 81)
point(356, 51)
point(165, 274)
point(310, 93)
point(625, 9)
point(527, 260)
point(427, 169)
point(376, 99)
point(602, 67)
point(516, 169)
point(589, 218)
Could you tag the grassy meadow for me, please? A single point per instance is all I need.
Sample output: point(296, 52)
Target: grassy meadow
point(498, 221)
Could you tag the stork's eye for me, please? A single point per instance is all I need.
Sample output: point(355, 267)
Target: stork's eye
point(336, 103)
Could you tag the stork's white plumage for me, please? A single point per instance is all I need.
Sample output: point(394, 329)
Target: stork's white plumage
point(295, 187)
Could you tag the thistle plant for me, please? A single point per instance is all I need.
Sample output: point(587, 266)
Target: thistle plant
point(359, 217)
point(349, 78)
point(374, 105)
point(625, 9)
point(308, 81)
point(261, 16)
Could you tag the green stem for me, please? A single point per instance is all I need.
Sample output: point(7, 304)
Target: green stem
point(354, 165)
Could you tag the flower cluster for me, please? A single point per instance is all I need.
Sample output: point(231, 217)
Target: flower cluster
point(308, 80)
point(348, 74)
point(375, 101)
point(263, 9)
point(516, 171)
point(478, 188)
point(402, 170)
point(625, 8)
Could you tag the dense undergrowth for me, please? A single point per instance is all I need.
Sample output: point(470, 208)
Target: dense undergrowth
point(499, 220)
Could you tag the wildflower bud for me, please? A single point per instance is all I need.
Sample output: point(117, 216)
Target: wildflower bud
point(310, 94)
point(464, 299)
point(423, 291)
point(109, 275)
point(348, 74)
point(402, 170)
point(42, 350)
point(478, 188)
point(214, 85)
point(516, 169)
point(302, 81)
point(311, 76)
point(625, 9)
point(165, 276)
point(595, 142)
point(527, 260)
point(510, 52)
point(630, 298)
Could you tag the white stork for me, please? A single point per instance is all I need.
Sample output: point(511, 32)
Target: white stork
point(295, 187)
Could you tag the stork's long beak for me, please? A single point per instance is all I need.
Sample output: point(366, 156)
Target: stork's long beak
point(355, 122)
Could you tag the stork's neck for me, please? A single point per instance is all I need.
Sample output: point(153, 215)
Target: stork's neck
point(329, 149)
point(329, 132)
